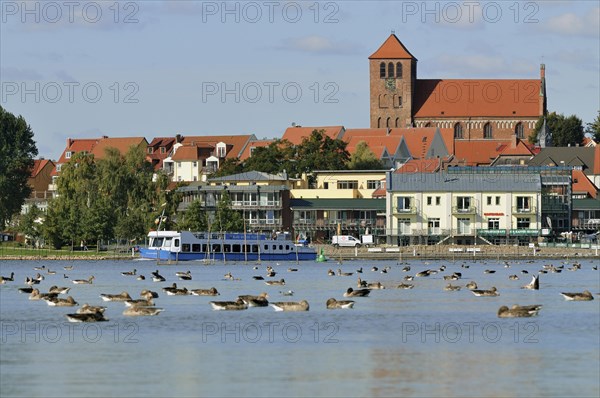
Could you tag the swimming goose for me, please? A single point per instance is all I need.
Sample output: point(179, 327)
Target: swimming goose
point(129, 273)
point(2, 280)
point(333, 304)
point(276, 283)
point(43, 267)
point(90, 309)
point(356, 293)
point(451, 277)
point(148, 293)
point(174, 291)
point(359, 271)
point(142, 311)
point(330, 272)
point(518, 311)
point(292, 269)
point(360, 283)
point(471, 285)
point(408, 278)
point(513, 277)
point(86, 317)
point(141, 278)
point(375, 286)
point(84, 281)
point(288, 293)
point(51, 272)
point(144, 302)
point(205, 292)
point(36, 295)
point(585, 296)
point(291, 306)
point(58, 302)
point(486, 293)
point(184, 276)
point(489, 271)
point(31, 281)
point(450, 288)
point(229, 305)
point(406, 269)
point(156, 277)
point(405, 286)
point(423, 273)
point(258, 278)
point(59, 290)
point(27, 290)
point(340, 273)
point(256, 301)
point(534, 284)
point(123, 296)
point(68, 268)
point(374, 269)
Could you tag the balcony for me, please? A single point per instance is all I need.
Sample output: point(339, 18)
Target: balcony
point(405, 210)
point(491, 232)
point(464, 210)
point(524, 210)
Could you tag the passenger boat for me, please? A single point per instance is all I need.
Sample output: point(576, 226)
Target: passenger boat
point(185, 245)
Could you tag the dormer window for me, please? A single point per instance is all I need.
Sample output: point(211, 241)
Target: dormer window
point(221, 150)
point(58, 167)
point(163, 149)
point(68, 154)
point(150, 150)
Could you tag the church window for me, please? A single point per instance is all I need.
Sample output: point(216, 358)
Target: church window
point(390, 69)
point(458, 131)
point(382, 70)
point(398, 70)
point(487, 131)
point(397, 122)
point(519, 131)
point(387, 122)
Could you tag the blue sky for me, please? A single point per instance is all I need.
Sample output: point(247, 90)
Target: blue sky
point(159, 68)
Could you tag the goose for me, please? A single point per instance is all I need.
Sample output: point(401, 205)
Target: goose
point(27, 290)
point(171, 288)
point(58, 302)
point(142, 311)
point(486, 293)
point(360, 283)
point(229, 305)
point(291, 306)
point(374, 269)
point(157, 277)
point(292, 269)
point(258, 278)
point(405, 286)
point(408, 278)
point(36, 295)
point(31, 281)
point(68, 268)
point(86, 317)
point(174, 291)
point(90, 309)
point(59, 290)
point(84, 281)
point(451, 277)
point(330, 272)
point(442, 268)
point(518, 311)
point(489, 271)
point(471, 285)
point(205, 292)
point(288, 293)
point(42, 268)
point(276, 283)
point(123, 296)
point(184, 276)
point(513, 277)
point(141, 278)
point(585, 296)
point(51, 272)
point(359, 271)
point(423, 273)
point(129, 273)
point(340, 273)
point(375, 286)
point(534, 284)
point(356, 293)
point(65, 276)
point(255, 301)
point(143, 302)
point(2, 281)
point(406, 269)
point(524, 271)
point(333, 304)
point(450, 288)
point(148, 293)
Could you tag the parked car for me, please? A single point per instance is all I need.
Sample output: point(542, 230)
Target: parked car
point(345, 241)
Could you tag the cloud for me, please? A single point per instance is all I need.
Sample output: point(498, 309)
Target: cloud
point(570, 24)
point(319, 45)
point(12, 73)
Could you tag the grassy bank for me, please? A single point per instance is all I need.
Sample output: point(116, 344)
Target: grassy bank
point(15, 252)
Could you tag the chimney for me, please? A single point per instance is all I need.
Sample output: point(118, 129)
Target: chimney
point(542, 71)
point(69, 142)
point(104, 137)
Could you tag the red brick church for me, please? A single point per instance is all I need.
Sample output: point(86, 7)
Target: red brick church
point(476, 109)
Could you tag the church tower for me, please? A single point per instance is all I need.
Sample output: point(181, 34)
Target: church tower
point(393, 74)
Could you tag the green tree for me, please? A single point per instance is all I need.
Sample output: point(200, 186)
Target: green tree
point(228, 167)
point(17, 150)
point(364, 159)
point(29, 223)
point(273, 159)
point(226, 219)
point(320, 152)
point(194, 218)
point(564, 130)
point(593, 128)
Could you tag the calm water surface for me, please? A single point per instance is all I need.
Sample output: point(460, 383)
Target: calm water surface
point(419, 342)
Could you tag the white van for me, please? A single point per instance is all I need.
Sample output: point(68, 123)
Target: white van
point(345, 241)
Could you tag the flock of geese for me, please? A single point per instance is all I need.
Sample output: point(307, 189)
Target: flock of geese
point(145, 306)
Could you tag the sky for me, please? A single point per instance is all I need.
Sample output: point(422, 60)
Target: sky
point(84, 69)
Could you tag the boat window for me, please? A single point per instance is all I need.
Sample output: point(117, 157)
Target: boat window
point(236, 248)
point(157, 242)
point(247, 248)
point(195, 247)
point(254, 248)
point(280, 247)
point(216, 248)
point(274, 247)
point(227, 248)
point(185, 247)
point(167, 242)
point(205, 248)
point(267, 247)
point(287, 247)
point(176, 242)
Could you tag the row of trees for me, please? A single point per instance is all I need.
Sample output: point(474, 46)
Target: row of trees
point(567, 130)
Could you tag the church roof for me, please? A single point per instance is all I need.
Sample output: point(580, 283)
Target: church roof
point(392, 48)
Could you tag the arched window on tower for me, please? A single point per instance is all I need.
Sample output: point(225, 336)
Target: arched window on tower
point(378, 122)
point(428, 124)
point(382, 70)
point(397, 122)
point(519, 131)
point(387, 122)
point(487, 131)
point(398, 70)
point(390, 69)
point(458, 131)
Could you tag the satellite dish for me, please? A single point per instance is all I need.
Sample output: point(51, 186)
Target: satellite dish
point(549, 221)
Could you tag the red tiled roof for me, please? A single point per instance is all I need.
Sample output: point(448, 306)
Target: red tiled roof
point(392, 48)
point(38, 165)
point(381, 191)
point(122, 144)
point(581, 184)
point(254, 144)
point(296, 134)
point(420, 166)
point(377, 144)
point(477, 152)
point(517, 150)
point(237, 142)
point(192, 152)
point(78, 145)
point(477, 98)
point(596, 160)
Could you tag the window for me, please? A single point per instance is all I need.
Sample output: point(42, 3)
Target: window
point(404, 226)
point(398, 70)
point(195, 164)
point(489, 201)
point(519, 132)
point(373, 184)
point(221, 150)
point(458, 131)
point(390, 69)
point(347, 184)
point(429, 200)
point(523, 203)
point(68, 154)
point(523, 223)
point(163, 149)
point(404, 203)
point(150, 150)
point(325, 185)
point(438, 200)
point(497, 200)
point(493, 223)
point(487, 131)
point(434, 226)
point(58, 167)
point(382, 70)
point(178, 164)
point(463, 203)
point(464, 226)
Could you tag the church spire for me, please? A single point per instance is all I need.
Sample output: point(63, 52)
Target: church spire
point(544, 136)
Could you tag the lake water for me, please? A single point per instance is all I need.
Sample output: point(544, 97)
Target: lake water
point(419, 342)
